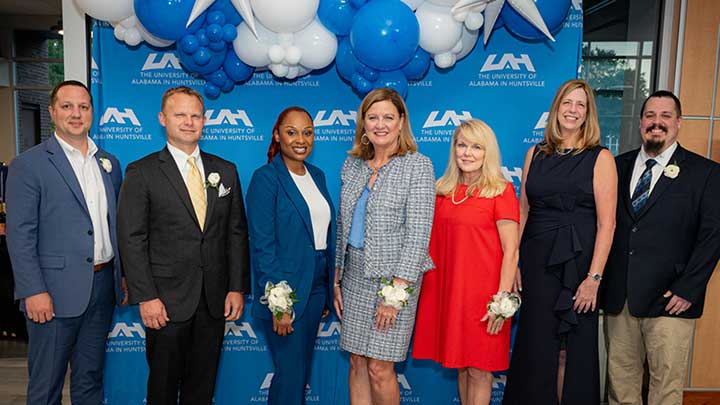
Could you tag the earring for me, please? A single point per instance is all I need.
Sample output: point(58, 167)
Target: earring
point(364, 139)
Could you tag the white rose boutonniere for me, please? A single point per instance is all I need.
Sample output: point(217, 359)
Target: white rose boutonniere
point(106, 164)
point(213, 180)
point(395, 295)
point(671, 170)
point(279, 298)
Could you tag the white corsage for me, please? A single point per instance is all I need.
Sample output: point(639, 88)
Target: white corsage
point(395, 295)
point(671, 170)
point(213, 180)
point(504, 304)
point(279, 298)
point(106, 164)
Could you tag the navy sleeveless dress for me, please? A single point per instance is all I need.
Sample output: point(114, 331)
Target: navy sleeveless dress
point(555, 253)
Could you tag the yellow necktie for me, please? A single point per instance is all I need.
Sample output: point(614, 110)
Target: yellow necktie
point(196, 189)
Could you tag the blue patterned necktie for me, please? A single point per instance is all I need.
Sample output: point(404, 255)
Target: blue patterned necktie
point(642, 189)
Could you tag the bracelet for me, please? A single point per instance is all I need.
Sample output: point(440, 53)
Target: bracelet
point(279, 298)
point(395, 295)
point(504, 304)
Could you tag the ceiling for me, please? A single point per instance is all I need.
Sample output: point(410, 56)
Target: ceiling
point(31, 7)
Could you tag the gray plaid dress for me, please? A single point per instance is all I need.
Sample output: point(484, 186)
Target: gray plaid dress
point(398, 220)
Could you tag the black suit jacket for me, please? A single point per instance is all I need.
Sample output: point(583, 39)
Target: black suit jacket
point(164, 253)
point(673, 243)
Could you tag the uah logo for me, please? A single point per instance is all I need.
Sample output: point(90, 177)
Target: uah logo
point(167, 60)
point(226, 116)
point(449, 117)
point(114, 116)
point(122, 329)
point(577, 5)
point(233, 329)
point(516, 172)
point(93, 64)
point(542, 121)
point(335, 117)
point(404, 384)
point(507, 60)
point(499, 382)
point(328, 329)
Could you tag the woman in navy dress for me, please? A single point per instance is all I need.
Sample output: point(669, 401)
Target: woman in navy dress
point(292, 233)
point(567, 219)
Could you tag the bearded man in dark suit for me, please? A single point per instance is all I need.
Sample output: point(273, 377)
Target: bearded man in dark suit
point(183, 239)
point(666, 246)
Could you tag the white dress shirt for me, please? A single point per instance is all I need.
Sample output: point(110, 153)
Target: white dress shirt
point(181, 158)
point(662, 160)
point(87, 171)
point(318, 206)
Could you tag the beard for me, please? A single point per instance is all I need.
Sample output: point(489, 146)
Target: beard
point(654, 146)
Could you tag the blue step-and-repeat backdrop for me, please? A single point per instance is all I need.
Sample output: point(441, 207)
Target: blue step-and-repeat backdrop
point(508, 83)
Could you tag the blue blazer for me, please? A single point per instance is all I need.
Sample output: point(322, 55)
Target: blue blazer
point(282, 244)
point(49, 231)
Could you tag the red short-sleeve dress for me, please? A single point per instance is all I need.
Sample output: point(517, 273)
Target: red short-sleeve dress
point(465, 247)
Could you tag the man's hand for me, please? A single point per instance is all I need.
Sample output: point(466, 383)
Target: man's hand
point(39, 308)
point(153, 314)
point(677, 305)
point(283, 326)
point(123, 286)
point(234, 305)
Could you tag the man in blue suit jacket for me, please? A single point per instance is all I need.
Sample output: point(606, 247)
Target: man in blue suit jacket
point(61, 198)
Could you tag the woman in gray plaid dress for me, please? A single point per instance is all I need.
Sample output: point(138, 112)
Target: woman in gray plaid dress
point(384, 222)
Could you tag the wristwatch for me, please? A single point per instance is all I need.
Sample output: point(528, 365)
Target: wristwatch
point(596, 277)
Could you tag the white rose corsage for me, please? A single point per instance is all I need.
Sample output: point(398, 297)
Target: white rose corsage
point(213, 180)
point(106, 164)
point(504, 304)
point(394, 294)
point(279, 298)
point(671, 170)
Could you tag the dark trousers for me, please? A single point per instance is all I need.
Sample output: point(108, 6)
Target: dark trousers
point(183, 358)
point(292, 354)
point(79, 341)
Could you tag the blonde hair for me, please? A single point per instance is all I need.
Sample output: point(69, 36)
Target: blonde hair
point(590, 129)
point(491, 182)
point(406, 141)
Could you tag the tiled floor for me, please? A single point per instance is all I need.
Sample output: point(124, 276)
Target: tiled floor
point(13, 374)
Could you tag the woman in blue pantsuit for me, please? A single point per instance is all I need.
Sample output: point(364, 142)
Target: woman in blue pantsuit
point(292, 232)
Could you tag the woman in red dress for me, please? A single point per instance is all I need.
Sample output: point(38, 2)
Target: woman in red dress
point(474, 245)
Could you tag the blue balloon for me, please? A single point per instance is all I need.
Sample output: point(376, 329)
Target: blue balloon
point(216, 17)
point(164, 19)
point(385, 34)
point(189, 43)
point(217, 77)
point(217, 45)
point(345, 62)
point(358, 3)
point(202, 56)
point(214, 32)
point(236, 69)
point(213, 63)
point(229, 10)
point(197, 24)
point(212, 91)
point(418, 65)
point(395, 80)
point(337, 15)
point(553, 13)
point(229, 32)
point(202, 37)
point(369, 73)
point(227, 86)
point(361, 84)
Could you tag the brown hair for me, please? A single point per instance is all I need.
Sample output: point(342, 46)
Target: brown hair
point(590, 129)
point(54, 92)
point(181, 90)
point(406, 141)
point(274, 147)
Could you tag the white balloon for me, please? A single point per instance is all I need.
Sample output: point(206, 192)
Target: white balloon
point(439, 32)
point(443, 2)
point(293, 55)
point(107, 10)
point(318, 45)
point(474, 21)
point(444, 60)
point(279, 70)
point(468, 39)
point(413, 4)
point(293, 72)
point(285, 15)
point(276, 53)
point(251, 50)
point(132, 32)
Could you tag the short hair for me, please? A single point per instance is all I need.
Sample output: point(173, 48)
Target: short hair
point(663, 94)
point(406, 143)
point(274, 147)
point(54, 92)
point(181, 90)
point(491, 182)
point(590, 129)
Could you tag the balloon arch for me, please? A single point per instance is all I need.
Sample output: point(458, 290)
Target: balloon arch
point(375, 43)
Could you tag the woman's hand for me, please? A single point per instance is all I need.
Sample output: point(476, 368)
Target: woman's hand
point(338, 301)
point(517, 283)
point(495, 323)
point(283, 326)
point(385, 317)
point(586, 296)
point(325, 313)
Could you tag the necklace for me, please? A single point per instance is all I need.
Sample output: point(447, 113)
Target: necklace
point(452, 198)
point(564, 151)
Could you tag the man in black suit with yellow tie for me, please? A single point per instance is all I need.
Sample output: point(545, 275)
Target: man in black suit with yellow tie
point(666, 246)
point(183, 240)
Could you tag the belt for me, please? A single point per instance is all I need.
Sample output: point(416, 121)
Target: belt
point(101, 266)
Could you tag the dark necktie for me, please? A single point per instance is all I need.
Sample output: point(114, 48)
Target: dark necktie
point(642, 189)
